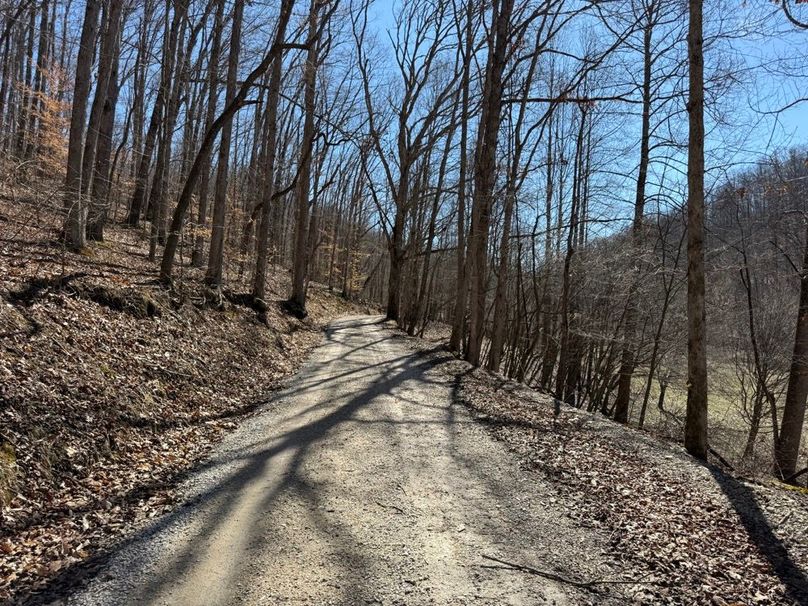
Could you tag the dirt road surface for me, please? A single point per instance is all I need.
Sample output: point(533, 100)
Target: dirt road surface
point(362, 482)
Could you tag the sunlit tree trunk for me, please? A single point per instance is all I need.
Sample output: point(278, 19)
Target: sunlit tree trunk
point(76, 221)
point(696, 419)
point(484, 177)
point(787, 445)
point(300, 258)
point(210, 115)
point(273, 98)
point(213, 277)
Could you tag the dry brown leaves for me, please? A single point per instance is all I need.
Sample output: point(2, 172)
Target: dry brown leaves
point(695, 534)
point(101, 409)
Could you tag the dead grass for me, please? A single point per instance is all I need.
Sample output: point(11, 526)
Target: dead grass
point(729, 423)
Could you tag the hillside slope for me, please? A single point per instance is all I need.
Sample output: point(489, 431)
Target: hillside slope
point(110, 388)
point(692, 533)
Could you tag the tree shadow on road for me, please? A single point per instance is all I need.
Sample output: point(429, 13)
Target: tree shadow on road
point(227, 495)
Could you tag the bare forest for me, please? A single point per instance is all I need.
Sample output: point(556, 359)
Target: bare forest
point(602, 204)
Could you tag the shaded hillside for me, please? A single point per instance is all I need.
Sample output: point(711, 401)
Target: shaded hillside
point(111, 387)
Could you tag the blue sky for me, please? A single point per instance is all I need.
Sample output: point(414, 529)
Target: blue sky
point(767, 92)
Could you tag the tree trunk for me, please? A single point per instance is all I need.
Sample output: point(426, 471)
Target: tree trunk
point(213, 277)
point(206, 146)
point(273, 97)
point(40, 78)
point(484, 177)
point(99, 121)
point(787, 444)
point(302, 190)
point(103, 154)
point(27, 98)
point(76, 221)
point(158, 203)
point(627, 359)
point(696, 419)
point(500, 305)
point(210, 116)
point(396, 248)
point(461, 292)
point(171, 32)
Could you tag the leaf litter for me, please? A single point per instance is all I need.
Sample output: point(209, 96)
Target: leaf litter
point(111, 389)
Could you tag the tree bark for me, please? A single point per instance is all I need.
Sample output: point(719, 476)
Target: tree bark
point(99, 192)
point(484, 178)
point(273, 98)
point(461, 288)
point(76, 220)
point(99, 121)
point(300, 259)
point(696, 418)
point(787, 444)
point(213, 277)
point(210, 116)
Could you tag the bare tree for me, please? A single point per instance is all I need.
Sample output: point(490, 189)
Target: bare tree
point(484, 173)
point(77, 210)
point(696, 420)
point(297, 299)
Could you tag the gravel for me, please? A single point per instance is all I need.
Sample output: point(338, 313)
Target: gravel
point(361, 482)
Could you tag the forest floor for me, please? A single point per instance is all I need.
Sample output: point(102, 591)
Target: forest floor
point(111, 389)
point(688, 533)
point(385, 472)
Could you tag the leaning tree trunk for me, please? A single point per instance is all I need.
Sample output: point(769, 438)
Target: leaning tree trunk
point(203, 155)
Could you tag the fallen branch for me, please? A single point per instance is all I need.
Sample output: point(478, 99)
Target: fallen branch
point(541, 573)
point(784, 519)
point(398, 509)
point(720, 458)
point(793, 477)
point(561, 579)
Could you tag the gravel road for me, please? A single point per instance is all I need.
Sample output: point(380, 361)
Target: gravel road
point(360, 483)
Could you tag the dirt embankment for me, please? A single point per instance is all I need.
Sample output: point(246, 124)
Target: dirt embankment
point(110, 388)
